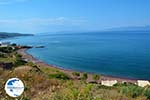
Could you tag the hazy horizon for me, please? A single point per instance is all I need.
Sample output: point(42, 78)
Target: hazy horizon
point(34, 16)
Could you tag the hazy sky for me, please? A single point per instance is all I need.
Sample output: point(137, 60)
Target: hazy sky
point(34, 16)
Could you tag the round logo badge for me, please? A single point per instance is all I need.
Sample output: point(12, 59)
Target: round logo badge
point(14, 87)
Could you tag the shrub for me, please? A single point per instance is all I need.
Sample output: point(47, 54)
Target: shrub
point(6, 49)
point(18, 56)
point(2, 55)
point(136, 91)
point(19, 63)
point(71, 92)
point(59, 75)
point(30, 64)
point(96, 77)
point(85, 76)
point(26, 98)
point(147, 93)
point(76, 74)
point(131, 90)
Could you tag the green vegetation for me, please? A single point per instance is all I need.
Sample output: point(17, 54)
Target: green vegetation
point(41, 87)
point(9, 55)
point(59, 75)
point(6, 49)
point(19, 63)
point(131, 90)
point(76, 74)
point(75, 92)
point(96, 77)
point(85, 76)
point(47, 83)
point(147, 93)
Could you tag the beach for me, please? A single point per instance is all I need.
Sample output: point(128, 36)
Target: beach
point(40, 63)
point(118, 56)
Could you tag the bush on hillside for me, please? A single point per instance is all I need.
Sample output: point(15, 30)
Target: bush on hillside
point(147, 93)
point(59, 75)
point(77, 74)
point(19, 62)
point(6, 49)
point(85, 76)
point(96, 77)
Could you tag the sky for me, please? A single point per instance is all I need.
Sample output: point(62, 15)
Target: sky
point(36, 16)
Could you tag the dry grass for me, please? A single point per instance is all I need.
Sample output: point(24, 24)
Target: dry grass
point(39, 87)
point(47, 83)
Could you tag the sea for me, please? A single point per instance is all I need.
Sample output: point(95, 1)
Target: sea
point(120, 54)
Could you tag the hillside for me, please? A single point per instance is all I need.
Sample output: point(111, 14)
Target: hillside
point(47, 83)
point(4, 35)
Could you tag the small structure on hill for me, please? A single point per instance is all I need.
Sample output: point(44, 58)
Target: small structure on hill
point(108, 82)
point(4, 44)
point(143, 83)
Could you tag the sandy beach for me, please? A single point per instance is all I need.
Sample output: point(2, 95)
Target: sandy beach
point(30, 58)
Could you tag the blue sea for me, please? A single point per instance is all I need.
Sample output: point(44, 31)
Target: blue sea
point(121, 54)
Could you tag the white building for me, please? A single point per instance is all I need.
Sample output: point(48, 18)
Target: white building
point(143, 83)
point(108, 82)
point(4, 44)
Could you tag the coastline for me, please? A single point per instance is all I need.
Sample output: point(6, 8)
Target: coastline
point(30, 58)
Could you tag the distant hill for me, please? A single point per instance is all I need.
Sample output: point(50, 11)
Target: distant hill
point(4, 35)
point(132, 28)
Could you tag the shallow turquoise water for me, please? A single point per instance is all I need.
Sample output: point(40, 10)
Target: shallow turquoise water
point(123, 54)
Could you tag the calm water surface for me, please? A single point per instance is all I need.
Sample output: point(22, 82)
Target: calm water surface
point(123, 54)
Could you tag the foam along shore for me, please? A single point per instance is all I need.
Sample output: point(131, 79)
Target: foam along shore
point(104, 79)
